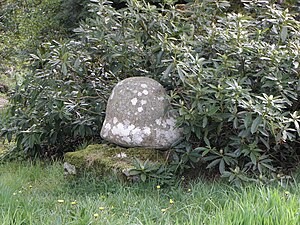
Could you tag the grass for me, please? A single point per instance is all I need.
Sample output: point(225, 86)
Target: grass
point(39, 194)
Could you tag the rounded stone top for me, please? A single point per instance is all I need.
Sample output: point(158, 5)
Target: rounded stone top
point(136, 115)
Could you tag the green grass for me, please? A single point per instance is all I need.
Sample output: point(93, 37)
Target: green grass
point(29, 194)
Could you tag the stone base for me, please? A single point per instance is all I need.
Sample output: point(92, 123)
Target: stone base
point(104, 160)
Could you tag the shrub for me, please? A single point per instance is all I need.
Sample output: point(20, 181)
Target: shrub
point(60, 103)
point(233, 78)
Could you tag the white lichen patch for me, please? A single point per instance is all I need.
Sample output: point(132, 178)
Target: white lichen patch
point(115, 120)
point(144, 85)
point(129, 133)
point(168, 134)
point(120, 130)
point(158, 121)
point(126, 139)
point(107, 126)
point(140, 109)
point(147, 130)
point(143, 102)
point(121, 155)
point(171, 122)
point(106, 129)
point(137, 136)
point(145, 92)
point(134, 101)
point(131, 127)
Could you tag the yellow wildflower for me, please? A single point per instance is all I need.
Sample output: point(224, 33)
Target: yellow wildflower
point(60, 201)
point(74, 203)
point(189, 190)
point(158, 187)
point(96, 215)
point(171, 201)
point(101, 208)
point(163, 210)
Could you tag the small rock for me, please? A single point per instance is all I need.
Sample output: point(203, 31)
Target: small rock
point(2, 102)
point(69, 169)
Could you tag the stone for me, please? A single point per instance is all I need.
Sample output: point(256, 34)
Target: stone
point(69, 169)
point(137, 115)
point(105, 160)
point(3, 101)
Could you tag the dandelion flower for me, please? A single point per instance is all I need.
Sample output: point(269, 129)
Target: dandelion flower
point(163, 210)
point(74, 203)
point(60, 201)
point(158, 187)
point(96, 215)
point(171, 201)
point(101, 208)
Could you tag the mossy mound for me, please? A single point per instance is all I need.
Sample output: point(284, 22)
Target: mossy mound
point(105, 160)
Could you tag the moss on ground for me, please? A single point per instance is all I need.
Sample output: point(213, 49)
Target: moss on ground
point(105, 160)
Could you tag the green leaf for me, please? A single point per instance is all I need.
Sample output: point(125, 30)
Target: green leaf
point(255, 124)
point(77, 63)
point(204, 122)
point(201, 149)
point(297, 127)
point(283, 33)
point(206, 141)
point(64, 69)
point(253, 158)
point(213, 163)
point(222, 167)
point(168, 71)
point(143, 177)
point(181, 74)
point(134, 172)
point(34, 56)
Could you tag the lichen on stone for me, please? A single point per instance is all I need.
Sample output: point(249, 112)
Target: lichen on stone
point(136, 115)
